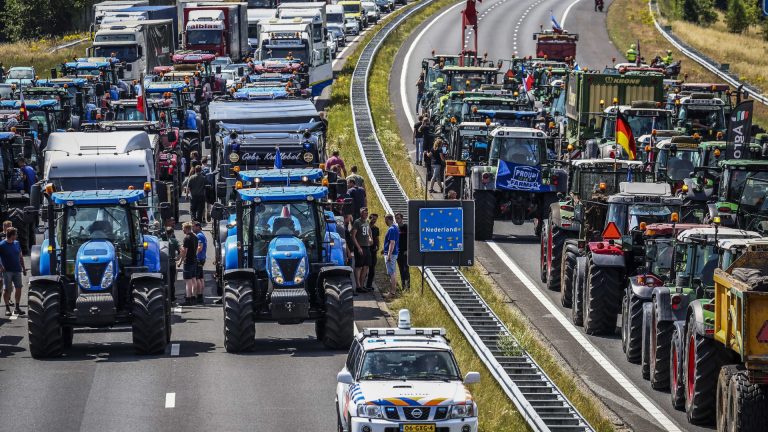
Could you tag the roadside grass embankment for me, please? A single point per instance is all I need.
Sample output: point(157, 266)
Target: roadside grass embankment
point(630, 21)
point(37, 53)
point(497, 413)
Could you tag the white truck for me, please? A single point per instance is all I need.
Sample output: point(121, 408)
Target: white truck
point(255, 18)
point(282, 39)
point(100, 9)
point(98, 160)
point(313, 12)
point(334, 14)
point(142, 45)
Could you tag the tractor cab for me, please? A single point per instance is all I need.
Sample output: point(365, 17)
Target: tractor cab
point(125, 110)
point(42, 115)
point(64, 108)
point(470, 141)
point(659, 241)
point(643, 116)
point(100, 269)
point(700, 113)
point(675, 159)
point(104, 70)
point(742, 194)
point(285, 261)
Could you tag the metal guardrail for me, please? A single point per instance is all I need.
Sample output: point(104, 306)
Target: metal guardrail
point(702, 60)
point(536, 397)
point(67, 45)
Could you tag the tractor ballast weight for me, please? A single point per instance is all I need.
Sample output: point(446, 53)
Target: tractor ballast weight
point(103, 272)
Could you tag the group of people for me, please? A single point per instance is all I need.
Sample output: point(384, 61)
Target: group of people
point(632, 54)
point(432, 156)
point(363, 236)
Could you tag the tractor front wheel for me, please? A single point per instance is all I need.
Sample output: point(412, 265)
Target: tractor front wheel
point(150, 335)
point(46, 335)
point(661, 338)
point(632, 326)
point(239, 328)
point(554, 256)
point(336, 329)
point(568, 272)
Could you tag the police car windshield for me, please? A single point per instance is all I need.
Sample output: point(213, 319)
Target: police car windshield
point(409, 365)
point(521, 151)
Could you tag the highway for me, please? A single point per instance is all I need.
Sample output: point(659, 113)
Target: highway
point(287, 383)
point(512, 258)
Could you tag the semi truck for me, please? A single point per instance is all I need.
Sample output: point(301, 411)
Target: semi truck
point(102, 8)
point(314, 12)
point(141, 45)
point(289, 40)
point(144, 13)
point(219, 29)
point(255, 18)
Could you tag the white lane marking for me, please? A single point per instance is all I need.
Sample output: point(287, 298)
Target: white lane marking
point(598, 356)
point(175, 348)
point(565, 14)
point(13, 317)
point(170, 400)
point(406, 61)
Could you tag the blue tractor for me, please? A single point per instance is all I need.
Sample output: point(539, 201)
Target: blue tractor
point(283, 261)
point(96, 268)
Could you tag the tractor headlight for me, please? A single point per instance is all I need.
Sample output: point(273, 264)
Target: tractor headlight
point(463, 411)
point(277, 274)
point(109, 276)
point(369, 411)
point(82, 277)
point(301, 271)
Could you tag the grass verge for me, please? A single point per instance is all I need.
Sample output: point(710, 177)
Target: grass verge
point(630, 21)
point(497, 413)
point(37, 53)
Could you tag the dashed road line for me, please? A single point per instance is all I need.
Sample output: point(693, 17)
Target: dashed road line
point(175, 348)
point(170, 400)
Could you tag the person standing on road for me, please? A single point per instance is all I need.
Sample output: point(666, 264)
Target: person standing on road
point(374, 250)
point(188, 258)
point(437, 158)
point(202, 249)
point(419, 91)
point(391, 241)
point(12, 266)
point(361, 236)
point(357, 178)
point(426, 159)
point(418, 139)
point(196, 192)
point(358, 198)
point(336, 160)
point(402, 255)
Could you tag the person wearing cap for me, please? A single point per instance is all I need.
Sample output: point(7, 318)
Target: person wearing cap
point(202, 248)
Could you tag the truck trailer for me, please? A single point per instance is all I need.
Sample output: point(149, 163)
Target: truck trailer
point(141, 45)
point(219, 29)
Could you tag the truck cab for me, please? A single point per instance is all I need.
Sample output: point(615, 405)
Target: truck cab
point(140, 44)
point(354, 9)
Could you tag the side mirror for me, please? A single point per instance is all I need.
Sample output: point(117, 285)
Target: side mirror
point(129, 67)
point(218, 69)
point(141, 51)
point(344, 377)
point(36, 196)
point(165, 210)
point(472, 378)
point(217, 211)
point(121, 73)
point(207, 143)
point(240, 71)
point(172, 136)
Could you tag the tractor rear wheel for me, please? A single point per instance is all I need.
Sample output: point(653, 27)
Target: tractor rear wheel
point(239, 329)
point(661, 337)
point(485, 213)
point(746, 404)
point(568, 273)
point(632, 326)
point(645, 337)
point(555, 256)
point(602, 299)
point(336, 329)
point(46, 335)
point(676, 364)
point(149, 317)
point(703, 360)
point(723, 415)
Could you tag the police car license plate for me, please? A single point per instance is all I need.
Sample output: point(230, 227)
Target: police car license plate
point(418, 428)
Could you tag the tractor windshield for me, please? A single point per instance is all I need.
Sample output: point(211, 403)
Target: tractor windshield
point(628, 217)
point(113, 223)
point(679, 164)
point(517, 150)
point(278, 219)
point(661, 252)
point(736, 179)
point(589, 182)
point(128, 113)
point(97, 183)
point(641, 124)
point(697, 261)
point(705, 117)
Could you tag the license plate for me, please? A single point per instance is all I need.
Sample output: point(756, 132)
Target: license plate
point(418, 428)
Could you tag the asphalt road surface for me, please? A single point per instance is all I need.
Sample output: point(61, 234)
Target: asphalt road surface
point(506, 28)
point(288, 383)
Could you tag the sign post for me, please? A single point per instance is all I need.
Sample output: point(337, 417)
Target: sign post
point(441, 233)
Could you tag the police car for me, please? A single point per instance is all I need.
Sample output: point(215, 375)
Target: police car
point(404, 380)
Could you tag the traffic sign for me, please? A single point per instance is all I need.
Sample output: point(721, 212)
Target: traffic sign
point(441, 229)
point(765, 7)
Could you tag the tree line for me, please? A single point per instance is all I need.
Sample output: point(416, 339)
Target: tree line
point(739, 15)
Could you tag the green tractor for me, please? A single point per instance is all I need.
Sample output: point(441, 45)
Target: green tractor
point(741, 195)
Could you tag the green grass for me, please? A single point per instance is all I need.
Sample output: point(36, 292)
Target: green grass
point(497, 413)
point(37, 53)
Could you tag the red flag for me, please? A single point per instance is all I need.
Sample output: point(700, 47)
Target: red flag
point(140, 104)
point(529, 82)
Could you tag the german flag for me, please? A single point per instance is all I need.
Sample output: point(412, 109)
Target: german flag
point(624, 136)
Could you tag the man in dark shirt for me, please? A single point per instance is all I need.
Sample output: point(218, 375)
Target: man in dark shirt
point(418, 139)
point(361, 237)
point(189, 260)
point(358, 198)
point(30, 177)
point(391, 243)
point(196, 184)
point(402, 256)
point(12, 267)
point(374, 250)
point(202, 249)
